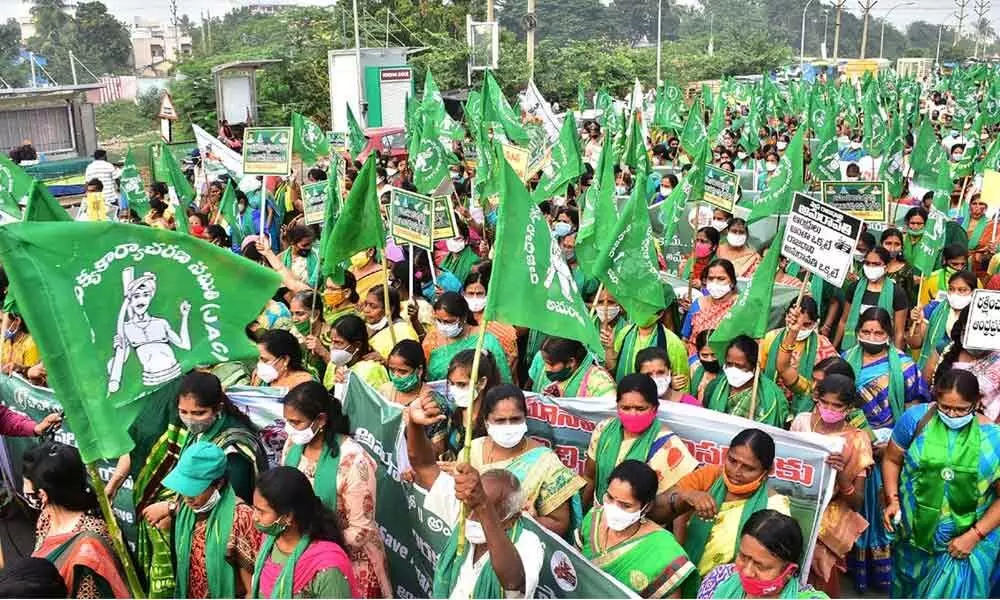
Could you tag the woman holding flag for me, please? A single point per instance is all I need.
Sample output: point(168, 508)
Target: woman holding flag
point(707, 311)
point(742, 390)
point(875, 289)
point(932, 324)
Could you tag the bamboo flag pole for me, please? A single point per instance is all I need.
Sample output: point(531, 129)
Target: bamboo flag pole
point(467, 423)
point(597, 296)
point(920, 292)
point(753, 395)
point(385, 298)
point(802, 290)
point(114, 532)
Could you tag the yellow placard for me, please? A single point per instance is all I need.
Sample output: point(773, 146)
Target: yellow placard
point(518, 159)
point(991, 191)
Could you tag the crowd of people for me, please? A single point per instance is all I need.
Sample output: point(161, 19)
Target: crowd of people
point(879, 363)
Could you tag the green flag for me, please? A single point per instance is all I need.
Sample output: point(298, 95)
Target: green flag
point(532, 286)
point(42, 206)
point(581, 97)
point(356, 140)
point(694, 132)
point(229, 211)
point(932, 242)
point(308, 139)
point(330, 213)
point(498, 114)
point(825, 163)
point(15, 186)
point(891, 168)
point(753, 306)
point(782, 185)
point(360, 224)
point(133, 186)
point(566, 162)
point(928, 158)
point(628, 265)
point(690, 191)
point(666, 114)
point(875, 126)
point(991, 161)
point(129, 310)
point(598, 213)
point(430, 165)
point(635, 155)
point(178, 187)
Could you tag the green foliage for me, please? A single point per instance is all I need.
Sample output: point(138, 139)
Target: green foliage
point(122, 120)
point(148, 103)
point(96, 38)
point(15, 74)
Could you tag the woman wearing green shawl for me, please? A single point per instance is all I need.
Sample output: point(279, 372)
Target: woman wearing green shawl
point(564, 368)
point(458, 257)
point(456, 330)
point(215, 541)
point(915, 219)
point(734, 392)
point(898, 269)
point(617, 537)
point(874, 289)
point(634, 434)
point(621, 347)
point(932, 330)
point(300, 257)
point(771, 550)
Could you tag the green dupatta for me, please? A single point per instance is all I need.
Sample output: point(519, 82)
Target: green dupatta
point(572, 384)
point(312, 265)
point(630, 337)
point(800, 402)
point(450, 565)
point(730, 587)
point(897, 391)
point(910, 247)
point(460, 264)
point(935, 331)
point(325, 479)
point(610, 444)
point(885, 302)
point(283, 585)
point(977, 233)
point(772, 407)
point(221, 577)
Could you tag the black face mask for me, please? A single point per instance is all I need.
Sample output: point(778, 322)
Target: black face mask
point(870, 348)
point(711, 366)
point(303, 253)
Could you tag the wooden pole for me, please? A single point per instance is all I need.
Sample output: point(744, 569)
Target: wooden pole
point(114, 532)
point(753, 394)
point(593, 305)
point(694, 243)
point(385, 298)
point(467, 442)
point(412, 258)
point(802, 290)
point(920, 292)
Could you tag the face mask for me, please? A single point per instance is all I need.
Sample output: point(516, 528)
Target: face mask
point(608, 313)
point(562, 229)
point(737, 377)
point(304, 253)
point(198, 426)
point(959, 301)
point(620, 190)
point(303, 327)
point(831, 417)
point(771, 167)
point(719, 224)
point(476, 303)
point(619, 519)
point(874, 273)
point(872, 348)
point(209, 504)
point(391, 172)
point(407, 383)
point(450, 330)
point(34, 501)
point(956, 157)
point(859, 256)
point(455, 245)
point(736, 240)
point(274, 529)
point(665, 191)
point(710, 366)
point(461, 396)
point(894, 254)
point(10, 334)
point(741, 155)
point(359, 260)
point(782, 145)
point(855, 145)
point(299, 437)
point(333, 299)
point(507, 436)
point(266, 371)
point(760, 588)
point(340, 357)
point(568, 254)
point(717, 289)
point(474, 533)
point(378, 325)
point(916, 230)
point(702, 249)
point(662, 384)
point(956, 422)
point(803, 335)
point(561, 375)
point(636, 422)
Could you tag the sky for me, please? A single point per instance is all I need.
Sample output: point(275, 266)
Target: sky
point(126, 10)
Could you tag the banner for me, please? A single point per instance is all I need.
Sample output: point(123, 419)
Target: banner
point(267, 151)
point(411, 215)
point(821, 239)
point(722, 188)
point(314, 197)
point(983, 329)
point(865, 200)
point(211, 149)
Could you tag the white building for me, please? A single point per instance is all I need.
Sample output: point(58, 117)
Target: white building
point(156, 46)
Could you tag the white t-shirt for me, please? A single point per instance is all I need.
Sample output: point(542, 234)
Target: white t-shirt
point(105, 171)
point(441, 501)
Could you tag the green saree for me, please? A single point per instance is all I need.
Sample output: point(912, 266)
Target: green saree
point(440, 358)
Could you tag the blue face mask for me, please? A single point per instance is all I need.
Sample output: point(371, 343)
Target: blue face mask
point(956, 422)
point(562, 229)
point(491, 218)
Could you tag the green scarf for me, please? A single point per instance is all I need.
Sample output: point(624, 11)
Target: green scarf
point(943, 275)
point(325, 479)
point(312, 264)
point(730, 587)
point(935, 331)
point(771, 409)
point(699, 529)
point(960, 465)
point(885, 302)
point(610, 444)
point(800, 402)
point(283, 585)
point(697, 374)
point(977, 233)
point(897, 393)
point(450, 564)
point(460, 264)
point(626, 357)
point(910, 247)
point(572, 384)
point(221, 577)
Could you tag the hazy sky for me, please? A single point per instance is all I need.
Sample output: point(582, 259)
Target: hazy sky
point(929, 10)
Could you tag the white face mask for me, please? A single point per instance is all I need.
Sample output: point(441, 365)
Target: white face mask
point(450, 330)
point(770, 167)
point(455, 245)
point(507, 436)
point(299, 437)
point(198, 426)
point(379, 325)
point(340, 357)
point(717, 289)
point(855, 145)
point(736, 240)
point(266, 372)
point(782, 145)
point(959, 301)
point(209, 504)
point(619, 519)
point(662, 384)
point(474, 533)
point(608, 313)
point(460, 395)
point(476, 303)
point(719, 224)
point(956, 157)
point(620, 190)
point(665, 191)
point(873, 273)
point(803, 334)
point(737, 377)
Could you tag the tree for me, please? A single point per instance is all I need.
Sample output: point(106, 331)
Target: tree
point(94, 36)
point(11, 69)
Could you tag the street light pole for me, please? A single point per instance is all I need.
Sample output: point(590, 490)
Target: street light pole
point(802, 40)
point(881, 40)
point(659, 41)
point(937, 53)
point(826, 23)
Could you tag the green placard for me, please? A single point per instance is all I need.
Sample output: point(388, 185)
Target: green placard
point(314, 202)
point(337, 141)
point(410, 218)
point(862, 199)
point(267, 151)
point(444, 219)
point(722, 188)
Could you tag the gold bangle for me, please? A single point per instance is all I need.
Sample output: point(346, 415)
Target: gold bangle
point(787, 348)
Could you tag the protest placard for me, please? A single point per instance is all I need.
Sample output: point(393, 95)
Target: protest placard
point(314, 202)
point(866, 200)
point(518, 158)
point(722, 188)
point(267, 151)
point(821, 239)
point(337, 141)
point(411, 215)
point(991, 191)
point(983, 329)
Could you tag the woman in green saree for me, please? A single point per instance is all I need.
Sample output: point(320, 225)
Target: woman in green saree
point(617, 537)
point(733, 394)
point(458, 258)
point(564, 368)
point(456, 330)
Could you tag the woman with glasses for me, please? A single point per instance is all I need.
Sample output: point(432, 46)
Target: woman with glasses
point(381, 319)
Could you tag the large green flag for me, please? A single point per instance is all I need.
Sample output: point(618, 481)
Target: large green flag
point(782, 185)
point(133, 186)
point(430, 165)
point(718, 122)
point(690, 192)
point(178, 187)
point(825, 163)
point(694, 132)
point(331, 211)
point(750, 313)
point(308, 139)
point(129, 310)
point(667, 114)
point(498, 114)
point(15, 187)
point(991, 161)
point(565, 164)
point(628, 266)
point(356, 140)
point(229, 211)
point(359, 226)
point(635, 154)
point(891, 169)
point(928, 158)
point(598, 213)
point(932, 242)
point(42, 206)
point(875, 126)
point(532, 286)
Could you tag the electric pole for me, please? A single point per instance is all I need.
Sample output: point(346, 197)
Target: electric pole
point(839, 5)
point(982, 22)
point(866, 8)
point(961, 4)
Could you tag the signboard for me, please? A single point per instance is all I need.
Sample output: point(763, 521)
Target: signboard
point(865, 200)
point(167, 110)
point(337, 141)
point(411, 216)
point(267, 151)
point(722, 188)
point(314, 202)
point(983, 329)
point(518, 158)
point(821, 239)
point(991, 191)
